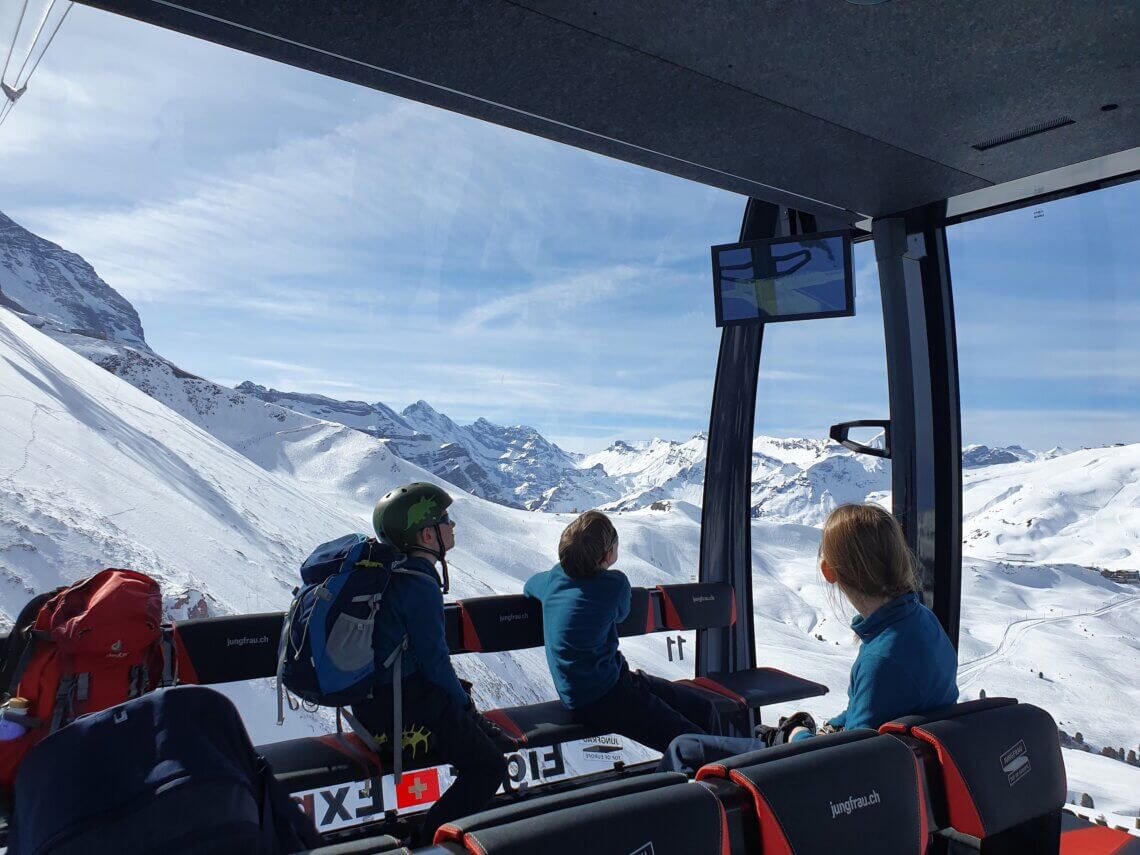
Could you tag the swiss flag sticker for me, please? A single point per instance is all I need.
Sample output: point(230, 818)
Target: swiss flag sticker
point(417, 789)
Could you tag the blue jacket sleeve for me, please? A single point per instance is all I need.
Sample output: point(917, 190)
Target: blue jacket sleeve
point(427, 638)
point(624, 598)
point(880, 691)
point(533, 587)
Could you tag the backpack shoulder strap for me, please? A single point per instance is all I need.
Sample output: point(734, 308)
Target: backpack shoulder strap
point(17, 652)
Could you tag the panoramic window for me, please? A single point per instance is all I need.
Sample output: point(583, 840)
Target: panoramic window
point(254, 300)
point(240, 303)
point(814, 374)
point(1046, 308)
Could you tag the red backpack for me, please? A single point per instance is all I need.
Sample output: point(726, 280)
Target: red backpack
point(91, 646)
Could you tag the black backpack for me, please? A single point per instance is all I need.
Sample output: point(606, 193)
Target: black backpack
point(172, 772)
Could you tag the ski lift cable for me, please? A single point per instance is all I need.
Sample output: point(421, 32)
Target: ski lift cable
point(15, 36)
point(36, 38)
point(5, 110)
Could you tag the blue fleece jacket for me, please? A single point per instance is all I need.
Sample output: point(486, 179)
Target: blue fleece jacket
point(905, 665)
point(413, 606)
point(579, 620)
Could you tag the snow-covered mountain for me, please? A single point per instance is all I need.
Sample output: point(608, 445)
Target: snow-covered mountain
point(514, 466)
point(64, 291)
point(95, 473)
point(793, 480)
point(220, 493)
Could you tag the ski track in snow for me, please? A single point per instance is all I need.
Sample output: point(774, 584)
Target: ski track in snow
point(969, 671)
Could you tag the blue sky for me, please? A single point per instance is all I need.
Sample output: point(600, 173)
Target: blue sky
point(274, 225)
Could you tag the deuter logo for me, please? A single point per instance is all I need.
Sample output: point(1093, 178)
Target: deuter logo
point(854, 803)
point(244, 640)
point(647, 849)
point(1015, 762)
point(704, 598)
point(513, 617)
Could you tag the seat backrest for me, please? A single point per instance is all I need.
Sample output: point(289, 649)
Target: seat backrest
point(675, 819)
point(722, 768)
point(493, 624)
point(858, 794)
point(514, 622)
point(244, 647)
point(225, 649)
point(699, 605)
point(455, 831)
point(1001, 763)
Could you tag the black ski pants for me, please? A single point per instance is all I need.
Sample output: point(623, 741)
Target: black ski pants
point(649, 710)
point(459, 738)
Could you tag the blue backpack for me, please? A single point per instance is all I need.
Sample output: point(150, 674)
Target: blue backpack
point(326, 655)
point(172, 771)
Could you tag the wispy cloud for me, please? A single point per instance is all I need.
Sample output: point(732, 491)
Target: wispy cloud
point(336, 240)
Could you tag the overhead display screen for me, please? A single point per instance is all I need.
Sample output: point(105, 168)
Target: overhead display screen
point(784, 279)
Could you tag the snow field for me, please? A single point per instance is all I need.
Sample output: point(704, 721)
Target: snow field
point(95, 473)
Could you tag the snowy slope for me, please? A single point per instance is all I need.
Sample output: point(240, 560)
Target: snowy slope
point(95, 473)
point(1083, 507)
point(221, 492)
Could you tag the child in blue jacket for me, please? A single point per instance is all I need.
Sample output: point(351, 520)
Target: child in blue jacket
point(583, 601)
point(906, 663)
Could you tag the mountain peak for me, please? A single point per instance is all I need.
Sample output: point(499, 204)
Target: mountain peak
point(62, 289)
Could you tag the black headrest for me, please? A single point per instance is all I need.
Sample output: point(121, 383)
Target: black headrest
point(668, 820)
point(904, 724)
point(1001, 766)
point(454, 831)
point(493, 624)
point(225, 649)
point(859, 795)
point(722, 768)
point(700, 605)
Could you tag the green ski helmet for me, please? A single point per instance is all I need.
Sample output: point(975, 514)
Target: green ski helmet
point(408, 509)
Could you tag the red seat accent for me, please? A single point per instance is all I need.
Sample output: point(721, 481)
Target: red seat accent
point(717, 688)
point(183, 665)
point(504, 721)
point(672, 619)
point(772, 839)
point(964, 815)
point(1097, 840)
point(471, 640)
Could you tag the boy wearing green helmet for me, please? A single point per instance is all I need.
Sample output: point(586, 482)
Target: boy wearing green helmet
point(414, 518)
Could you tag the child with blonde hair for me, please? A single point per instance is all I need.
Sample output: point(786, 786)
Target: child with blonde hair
point(906, 663)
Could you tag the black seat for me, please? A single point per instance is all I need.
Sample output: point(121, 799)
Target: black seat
point(226, 649)
point(311, 762)
point(1002, 777)
point(669, 819)
point(536, 725)
point(455, 831)
point(368, 846)
point(853, 792)
point(760, 687)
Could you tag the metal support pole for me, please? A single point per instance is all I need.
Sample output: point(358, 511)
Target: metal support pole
point(726, 515)
point(926, 435)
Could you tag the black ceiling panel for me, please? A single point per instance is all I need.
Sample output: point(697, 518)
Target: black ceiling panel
point(827, 105)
